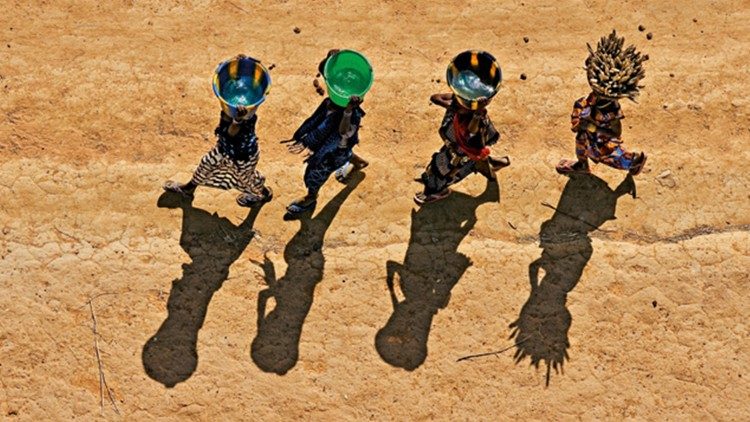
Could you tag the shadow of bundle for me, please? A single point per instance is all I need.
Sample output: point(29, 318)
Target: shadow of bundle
point(613, 72)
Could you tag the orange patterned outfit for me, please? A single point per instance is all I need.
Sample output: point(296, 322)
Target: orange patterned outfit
point(595, 133)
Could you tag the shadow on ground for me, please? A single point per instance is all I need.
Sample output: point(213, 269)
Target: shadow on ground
point(213, 243)
point(275, 347)
point(541, 330)
point(432, 266)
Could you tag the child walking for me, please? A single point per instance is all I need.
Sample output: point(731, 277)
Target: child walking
point(613, 73)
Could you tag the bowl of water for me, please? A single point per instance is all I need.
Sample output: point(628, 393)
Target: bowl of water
point(472, 75)
point(347, 73)
point(241, 81)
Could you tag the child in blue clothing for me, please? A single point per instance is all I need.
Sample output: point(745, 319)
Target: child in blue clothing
point(329, 134)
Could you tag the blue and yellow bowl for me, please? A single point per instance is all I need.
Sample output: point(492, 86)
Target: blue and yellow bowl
point(473, 74)
point(241, 82)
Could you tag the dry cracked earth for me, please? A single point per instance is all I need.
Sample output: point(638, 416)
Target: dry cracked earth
point(120, 302)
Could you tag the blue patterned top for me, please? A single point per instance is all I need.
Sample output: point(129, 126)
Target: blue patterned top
point(320, 132)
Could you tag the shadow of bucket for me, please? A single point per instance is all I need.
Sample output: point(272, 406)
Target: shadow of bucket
point(241, 82)
point(473, 74)
point(347, 73)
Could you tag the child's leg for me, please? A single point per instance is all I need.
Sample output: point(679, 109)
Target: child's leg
point(615, 156)
point(205, 174)
point(202, 173)
point(187, 189)
point(318, 170)
point(316, 174)
point(255, 191)
point(354, 164)
point(250, 182)
point(437, 172)
point(438, 176)
point(566, 166)
point(359, 162)
point(638, 163)
point(582, 144)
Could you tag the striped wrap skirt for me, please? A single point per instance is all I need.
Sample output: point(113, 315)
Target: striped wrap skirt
point(217, 170)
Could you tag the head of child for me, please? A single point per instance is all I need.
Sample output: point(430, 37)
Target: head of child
point(603, 101)
point(243, 114)
point(464, 106)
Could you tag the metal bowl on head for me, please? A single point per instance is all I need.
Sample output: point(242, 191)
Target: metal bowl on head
point(241, 81)
point(472, 75)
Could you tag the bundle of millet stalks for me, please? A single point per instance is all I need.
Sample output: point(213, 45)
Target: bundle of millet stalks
point(613, 72)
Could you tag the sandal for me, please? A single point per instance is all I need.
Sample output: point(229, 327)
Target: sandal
point(342, 173)
point(298, 207)
point(498, 163)
point(569, 167)
point(249, 201)
point(636, 170)
point(172, 186)
point(355, 164)
point(421, 199)
point(422, 178)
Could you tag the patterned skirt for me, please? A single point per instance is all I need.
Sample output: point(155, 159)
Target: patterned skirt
point(445, 169)
point(604, 150)
point(218, 170)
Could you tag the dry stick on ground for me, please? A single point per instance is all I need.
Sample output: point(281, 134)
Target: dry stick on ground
point(546, 204)
point(66, 234)
point(238, 7)
point(493, 353)
point(102, 379)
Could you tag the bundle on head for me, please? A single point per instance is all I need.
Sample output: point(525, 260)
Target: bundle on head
point(613, 72)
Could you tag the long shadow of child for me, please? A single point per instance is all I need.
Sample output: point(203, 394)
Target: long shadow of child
point(213, 244)
point(432, 266)
point(275, 347)
point(541, 330)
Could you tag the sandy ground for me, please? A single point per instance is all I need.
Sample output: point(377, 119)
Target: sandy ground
point(646, 313)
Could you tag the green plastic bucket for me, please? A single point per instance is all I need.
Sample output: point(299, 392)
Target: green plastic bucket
point(347, 73)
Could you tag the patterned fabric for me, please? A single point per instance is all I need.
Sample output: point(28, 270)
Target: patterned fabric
point(584, 111)
point(320, 167)
point(597, 133)
point(451, 164)
point(320, 132)
point(486, 136)
point(610, 153)
point(241, 146)
point(219, 170)
point(330, 150)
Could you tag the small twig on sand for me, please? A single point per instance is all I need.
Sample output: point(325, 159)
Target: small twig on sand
point(546, 204)
point(238, 7)
point(66, 234)
point(102, 379)
point(91, 298)
point(492, 353)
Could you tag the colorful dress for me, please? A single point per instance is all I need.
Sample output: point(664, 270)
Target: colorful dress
point(459, 156)
point(330, 150)
point(231, 163)
point(596, 133)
